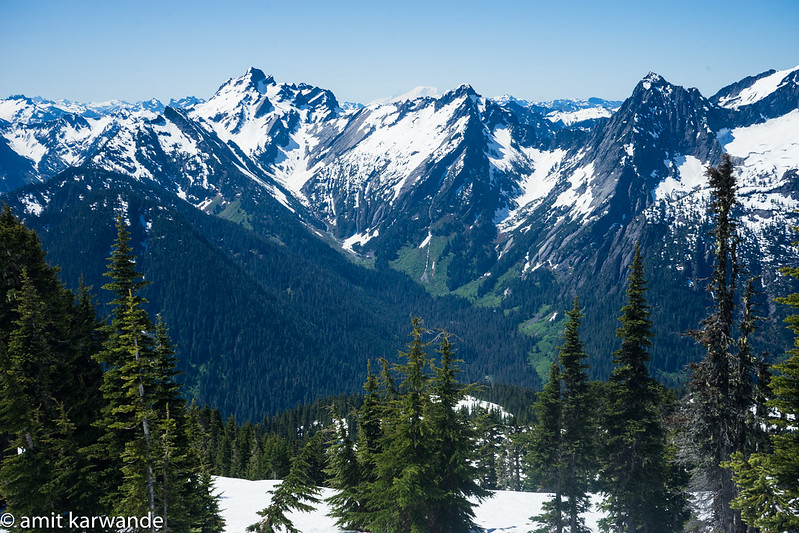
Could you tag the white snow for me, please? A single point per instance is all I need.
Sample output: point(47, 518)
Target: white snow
point(471, 403)
point(24, 142)
point(506, 511)
point(359, 238)
point(537, 185)
point(690, 175)
point(578, 196)
point(426, 240)
point(413, 94)
point(572, 117)
point(771, 147)
point(32, 205)
point(757, 91)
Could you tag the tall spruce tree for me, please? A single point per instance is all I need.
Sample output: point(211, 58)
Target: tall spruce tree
point(344, 476)
point(768, 481)
point(454, 449)
point(144, 457)
point(296, 492)
point(634, 464)
point(566, 412)
point(404, 476)
point(49, 396)
point(545, 459)
point(578, 456)
point(721, 393)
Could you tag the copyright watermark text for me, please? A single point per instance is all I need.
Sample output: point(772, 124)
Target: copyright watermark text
point(73, 521)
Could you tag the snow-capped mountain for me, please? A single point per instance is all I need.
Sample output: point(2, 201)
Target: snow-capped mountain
point(462, 192)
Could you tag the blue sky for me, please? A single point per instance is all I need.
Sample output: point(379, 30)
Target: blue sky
point(364, 50)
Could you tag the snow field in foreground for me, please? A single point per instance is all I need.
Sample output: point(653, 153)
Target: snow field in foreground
point(506, 512)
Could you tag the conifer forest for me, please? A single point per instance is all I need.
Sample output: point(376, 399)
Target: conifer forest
point(94, 421)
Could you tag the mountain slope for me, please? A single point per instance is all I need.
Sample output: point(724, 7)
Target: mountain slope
point(513, 205)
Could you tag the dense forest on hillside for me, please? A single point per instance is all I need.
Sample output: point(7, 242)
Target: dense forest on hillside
point(93, 420)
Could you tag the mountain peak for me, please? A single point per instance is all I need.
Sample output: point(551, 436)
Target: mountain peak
point(258, 79)
point(653, 78)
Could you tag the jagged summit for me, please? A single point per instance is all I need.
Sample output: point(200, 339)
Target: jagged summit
point(652, 80)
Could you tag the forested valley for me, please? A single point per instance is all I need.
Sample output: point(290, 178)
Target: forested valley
point(93, 422)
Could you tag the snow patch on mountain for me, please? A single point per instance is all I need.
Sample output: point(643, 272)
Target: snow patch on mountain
point(413, 94)
point(759, 90)
point(536, 186)
point(360, 239)
point(770, 148)
point(32, 205)
point(578, 197)
point(24, 142)
point(690, 174)
point(471, 404)
point(568, 118)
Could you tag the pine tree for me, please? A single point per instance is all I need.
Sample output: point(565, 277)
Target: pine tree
point(578, 453)
point(344, 476)
point(404, 477)
point(562, 457)
point(28, 409)
point(545, 460)
point(721, 393)
point(296, 492)
point(768, 481)
point(49, 397)
point(635, 468)
point(454, 450)
point(144, 458)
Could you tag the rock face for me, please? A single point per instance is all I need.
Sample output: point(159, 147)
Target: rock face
point(465, 193)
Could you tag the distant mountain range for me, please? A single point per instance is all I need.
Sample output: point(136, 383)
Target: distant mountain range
point(513, 206)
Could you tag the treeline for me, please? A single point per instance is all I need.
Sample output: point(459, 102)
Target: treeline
point(280, 298)
point(91, 419)
point(732, 436)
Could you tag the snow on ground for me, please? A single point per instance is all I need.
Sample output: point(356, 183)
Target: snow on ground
point(506, 511)
point(471, 403)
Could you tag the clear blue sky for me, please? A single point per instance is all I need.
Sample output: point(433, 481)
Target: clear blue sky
point(363, 50)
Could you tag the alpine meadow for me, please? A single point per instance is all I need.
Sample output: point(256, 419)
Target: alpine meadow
point(272, 310)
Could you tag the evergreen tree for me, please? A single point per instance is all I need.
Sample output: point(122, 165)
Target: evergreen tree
point(49, 397)
point(545, 460)
point(144, 458)
point(454, 450)
point(721, 393)
point(370, 431)
point(296, 492)
point(344, 476)
point(768, 481)
point(28, 410)
point(635, 467)
point(565, 407)
point(405, 479)
point(578, 423)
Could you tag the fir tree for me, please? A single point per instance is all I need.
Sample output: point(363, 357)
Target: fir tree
point(344, 476)
point(721, 393)
point(578, 428)
point(144, 458)
point(635, 469)
point(545, 460)
point(405, 480)
point(566, 413)
point(49, 396)
point(370, 431)
point(454, 444)
point(296, 492)
point(768, 481)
